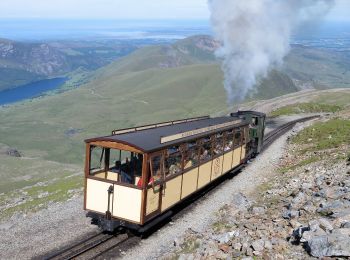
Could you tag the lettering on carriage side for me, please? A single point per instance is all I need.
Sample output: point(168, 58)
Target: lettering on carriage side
point(174, 137)
point(217, 166)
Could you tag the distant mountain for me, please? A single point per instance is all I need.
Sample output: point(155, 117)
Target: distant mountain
point(23, 62)
point(192, 50)
point(318, 68)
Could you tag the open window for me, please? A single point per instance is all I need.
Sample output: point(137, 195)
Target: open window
point(173, 161)
point(191, 155)
point(238, 138)
point(156, 169)
point(115, 165)
point(218, 144)
point(228, 141)
point(205, 152)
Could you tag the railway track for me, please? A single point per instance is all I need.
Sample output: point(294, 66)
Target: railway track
point(281, 130)
point(91, 247)
point(99, 244)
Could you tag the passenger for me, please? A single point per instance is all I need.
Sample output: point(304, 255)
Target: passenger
point(205, 155)
point(188, 163)
point(116, 167)
point(174, 168)
point(218, 149)
point(139, 161)
point(126, 172)
point(139, 183)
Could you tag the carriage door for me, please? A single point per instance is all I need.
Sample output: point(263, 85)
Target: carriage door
point(155, 183)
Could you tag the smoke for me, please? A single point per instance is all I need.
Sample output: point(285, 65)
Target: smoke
point(254, 36)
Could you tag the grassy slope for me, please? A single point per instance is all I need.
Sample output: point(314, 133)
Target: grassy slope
point(305, 108)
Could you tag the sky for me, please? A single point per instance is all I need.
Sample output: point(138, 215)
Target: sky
point(121, 9)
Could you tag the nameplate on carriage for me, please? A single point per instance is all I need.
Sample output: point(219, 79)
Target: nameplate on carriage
point(174, 137)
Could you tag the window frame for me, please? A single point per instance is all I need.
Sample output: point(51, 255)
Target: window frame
point(106, 167)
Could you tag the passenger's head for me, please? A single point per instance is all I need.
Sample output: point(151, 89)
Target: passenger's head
point(117, 164)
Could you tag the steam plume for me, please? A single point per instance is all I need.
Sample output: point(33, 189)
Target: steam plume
point(255, 36)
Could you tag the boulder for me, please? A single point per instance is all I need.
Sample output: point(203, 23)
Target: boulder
point(258, 210)
point(258, 245)
point(240, 202)
point(13, 152)
point(329, 245)
point(325, 224)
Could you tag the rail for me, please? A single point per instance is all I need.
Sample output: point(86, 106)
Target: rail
point(273, 135)
point(90, 247)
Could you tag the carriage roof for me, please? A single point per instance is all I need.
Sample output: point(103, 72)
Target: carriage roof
point(155, 137)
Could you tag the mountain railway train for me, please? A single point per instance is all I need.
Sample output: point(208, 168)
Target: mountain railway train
point(134, 177)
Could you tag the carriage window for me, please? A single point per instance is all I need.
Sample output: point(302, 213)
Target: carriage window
point(156, 168)
point(97, 159)
point(244, 135)
point(116, 165)
point(173, 161)
point(218, 144)
point(205, 149)
point(191, 155)
point(228, 141)
point(237, 141)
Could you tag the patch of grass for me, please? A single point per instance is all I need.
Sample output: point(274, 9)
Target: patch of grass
point(340, 98)
point(324, 135)
point(221, 225)
point(300, 164)
point(40, 196)
point(190, 245)
point(305, 108)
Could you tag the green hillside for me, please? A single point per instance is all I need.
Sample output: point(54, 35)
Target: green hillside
point(193, 50)
point(25, 62)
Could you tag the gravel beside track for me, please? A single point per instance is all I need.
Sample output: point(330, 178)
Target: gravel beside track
point(24, 237)
point(202, 212)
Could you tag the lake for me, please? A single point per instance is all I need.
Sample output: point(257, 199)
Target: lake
point(30, 90)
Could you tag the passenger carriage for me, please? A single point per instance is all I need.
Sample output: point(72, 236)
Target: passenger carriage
point(136, 175)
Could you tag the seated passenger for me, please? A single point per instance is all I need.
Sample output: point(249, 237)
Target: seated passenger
point(139, 183)
point(218, 149)
point(126, 176)
point(188, 164)
point(205, 155)
point(174, 168)
point(116, 167)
